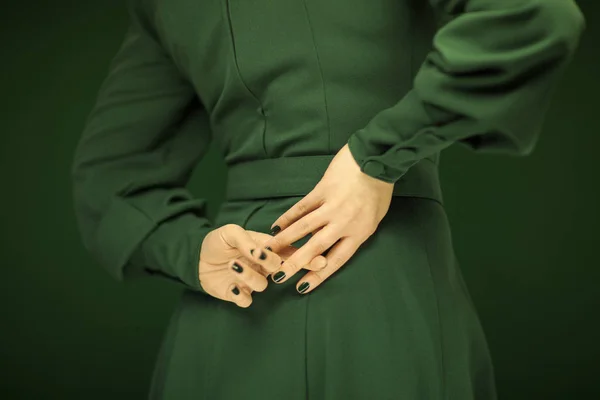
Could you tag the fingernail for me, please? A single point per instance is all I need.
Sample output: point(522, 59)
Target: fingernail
point(304, 287)
point(235, 290)
point(252, 251)
point(275, 230)
point(279, 276)
point(263, 255)
point(269, 248)
point(237, 268)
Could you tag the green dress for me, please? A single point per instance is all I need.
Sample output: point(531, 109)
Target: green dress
point(281, 86)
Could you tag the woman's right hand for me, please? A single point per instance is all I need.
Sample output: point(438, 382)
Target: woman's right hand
point(234, 263)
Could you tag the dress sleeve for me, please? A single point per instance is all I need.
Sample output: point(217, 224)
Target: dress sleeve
point(486, 83)
point(144, 136)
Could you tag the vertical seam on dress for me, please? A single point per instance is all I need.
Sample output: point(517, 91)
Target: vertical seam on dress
point(439, 319)
point(312, 34)
point(239, 74)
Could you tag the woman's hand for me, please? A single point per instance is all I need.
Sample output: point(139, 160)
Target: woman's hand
point(234, 263)
point(342, 211)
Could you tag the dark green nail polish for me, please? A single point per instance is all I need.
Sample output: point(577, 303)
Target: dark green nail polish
point(237, 268)
point(269, 248)
point(279, 276)
point(235, 291)
point(275, 230)
point(263, 255)
point(304, 287)
point(252, 251)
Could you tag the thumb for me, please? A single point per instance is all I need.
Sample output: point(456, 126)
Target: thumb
point(248, 244)
point(262, 238)
point(317, 263)
point(238, 238)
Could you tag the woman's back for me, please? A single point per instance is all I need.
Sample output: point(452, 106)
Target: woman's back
point(288, 78)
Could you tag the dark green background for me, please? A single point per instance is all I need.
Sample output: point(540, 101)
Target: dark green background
point(525, 229)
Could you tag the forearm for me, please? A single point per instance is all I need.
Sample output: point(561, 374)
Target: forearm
point(486, 84)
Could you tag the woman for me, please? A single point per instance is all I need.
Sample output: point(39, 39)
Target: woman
point(331, 116)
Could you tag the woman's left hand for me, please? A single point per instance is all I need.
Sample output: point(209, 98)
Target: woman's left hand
point(343, 211)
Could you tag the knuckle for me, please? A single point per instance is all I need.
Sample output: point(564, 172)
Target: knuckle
point(231, 227)
point(304, 226)
point(366, 228)
point(337, 261)
point(319, 276)
point(302, 207)
point(332, 234)
point(276, 242)
point(286, 219)
point(291, 265)
point(319, 247)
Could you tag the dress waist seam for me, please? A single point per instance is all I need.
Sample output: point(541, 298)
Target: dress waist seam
point(297, 176)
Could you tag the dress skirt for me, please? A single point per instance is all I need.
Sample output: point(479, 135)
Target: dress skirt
point(395, 322)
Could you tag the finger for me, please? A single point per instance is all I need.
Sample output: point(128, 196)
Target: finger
point(304, 206)
point(245, 242)
point(270, 260)
point(237, 237)
point(257, 267)
point(286, 252)
point(317, 263)
point(262, 238)
point(317, 245)
point(267, 259)
point(339, 254)
point(299, 229)
point(239, 295)
point(247, 275)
